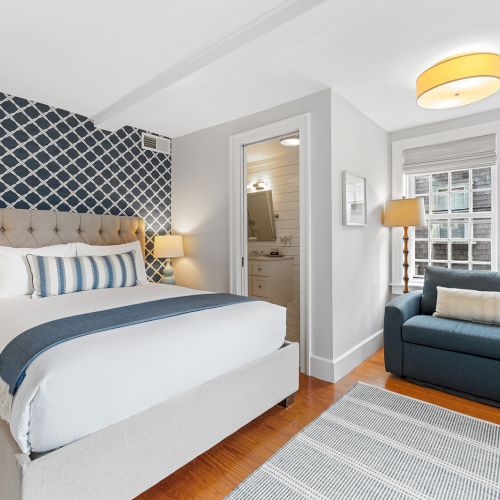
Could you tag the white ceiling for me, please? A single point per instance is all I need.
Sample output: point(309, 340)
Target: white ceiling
point(184, 65)
point(269, 149)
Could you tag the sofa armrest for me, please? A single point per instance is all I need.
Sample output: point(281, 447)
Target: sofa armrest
point(397, 312)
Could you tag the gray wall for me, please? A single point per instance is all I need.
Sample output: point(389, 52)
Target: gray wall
point(465, 121)
point(360, 254)
point(200, 206)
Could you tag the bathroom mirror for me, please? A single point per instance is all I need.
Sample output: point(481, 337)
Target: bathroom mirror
point(261, 216)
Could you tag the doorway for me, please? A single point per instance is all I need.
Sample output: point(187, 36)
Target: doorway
point(269, 221)
point(273, 227)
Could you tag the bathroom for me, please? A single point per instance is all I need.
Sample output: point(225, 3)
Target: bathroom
point(273, 206)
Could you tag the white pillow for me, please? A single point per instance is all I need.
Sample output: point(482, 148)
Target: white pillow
point(468, 305)
point(84, 250)
point(15, 272)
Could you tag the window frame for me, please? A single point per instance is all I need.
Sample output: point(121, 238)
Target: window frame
point(448, 217)
point(400, 189)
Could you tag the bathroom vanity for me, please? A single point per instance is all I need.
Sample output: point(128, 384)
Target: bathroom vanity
point(270, 278)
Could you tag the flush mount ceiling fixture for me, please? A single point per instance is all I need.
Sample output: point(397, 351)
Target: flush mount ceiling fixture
point(459, 80)
point(290, 140)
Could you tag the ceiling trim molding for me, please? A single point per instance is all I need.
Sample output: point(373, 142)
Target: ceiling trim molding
point(207, 54)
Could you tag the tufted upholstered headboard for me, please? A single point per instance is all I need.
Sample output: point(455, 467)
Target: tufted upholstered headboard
point(38, 228)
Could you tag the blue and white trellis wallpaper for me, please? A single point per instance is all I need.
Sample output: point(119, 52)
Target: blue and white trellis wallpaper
point(52, 159)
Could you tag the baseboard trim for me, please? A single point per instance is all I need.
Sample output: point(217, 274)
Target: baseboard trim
point(321, 368)
point(333, 371)
point(343, 364)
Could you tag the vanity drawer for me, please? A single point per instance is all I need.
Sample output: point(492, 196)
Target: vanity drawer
point(260, 268)
point(259, 287)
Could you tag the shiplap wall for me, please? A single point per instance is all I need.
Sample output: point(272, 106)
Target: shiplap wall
point(282, 175)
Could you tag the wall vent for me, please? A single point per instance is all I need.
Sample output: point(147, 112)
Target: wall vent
point(156, 143)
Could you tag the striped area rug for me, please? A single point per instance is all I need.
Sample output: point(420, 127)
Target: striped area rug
point(375, 444)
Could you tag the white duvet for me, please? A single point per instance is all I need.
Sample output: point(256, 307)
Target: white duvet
point(83, 385)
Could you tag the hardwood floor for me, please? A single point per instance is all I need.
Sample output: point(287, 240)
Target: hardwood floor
point(218, 471)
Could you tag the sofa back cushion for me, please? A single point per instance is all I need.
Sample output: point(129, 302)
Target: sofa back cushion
point(485, 281)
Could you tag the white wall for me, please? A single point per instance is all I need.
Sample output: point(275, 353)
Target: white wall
point(200, 207)
point(360, 273)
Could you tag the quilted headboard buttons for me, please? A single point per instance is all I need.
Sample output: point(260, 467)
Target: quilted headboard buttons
point(30, 230)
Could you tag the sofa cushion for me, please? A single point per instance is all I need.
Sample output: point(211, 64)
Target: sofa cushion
point(485, 281)
point(453, 335)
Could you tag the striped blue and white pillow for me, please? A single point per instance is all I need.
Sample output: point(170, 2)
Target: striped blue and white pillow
point(60, 275)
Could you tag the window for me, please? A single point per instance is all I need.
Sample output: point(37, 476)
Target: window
point(458, 235)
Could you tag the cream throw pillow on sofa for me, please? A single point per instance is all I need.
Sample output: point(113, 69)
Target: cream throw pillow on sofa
point(468, 305)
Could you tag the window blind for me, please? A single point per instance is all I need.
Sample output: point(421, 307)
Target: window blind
point(472, 152)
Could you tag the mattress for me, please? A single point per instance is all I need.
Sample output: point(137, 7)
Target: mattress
point(81, 386)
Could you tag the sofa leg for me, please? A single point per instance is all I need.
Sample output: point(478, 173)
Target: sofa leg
point(287, 401)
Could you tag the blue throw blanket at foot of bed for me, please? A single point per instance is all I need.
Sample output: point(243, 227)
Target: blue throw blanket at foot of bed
point(22, 350)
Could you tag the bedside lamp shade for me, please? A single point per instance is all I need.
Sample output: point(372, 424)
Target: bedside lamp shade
point(404, 213)
point(168, 246)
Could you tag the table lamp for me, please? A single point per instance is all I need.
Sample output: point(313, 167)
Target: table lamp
point(405, 213)
point(166, 247)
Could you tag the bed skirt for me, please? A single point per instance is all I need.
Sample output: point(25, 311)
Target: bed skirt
point(127, 458)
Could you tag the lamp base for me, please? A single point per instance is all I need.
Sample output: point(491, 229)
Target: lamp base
point(168, 277)
point(405, 260)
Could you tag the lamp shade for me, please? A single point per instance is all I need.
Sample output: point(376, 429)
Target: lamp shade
point(167, 246)
point(404, 213)
point(459, 80)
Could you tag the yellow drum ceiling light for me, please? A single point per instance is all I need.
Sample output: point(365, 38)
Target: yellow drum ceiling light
point(459, 80)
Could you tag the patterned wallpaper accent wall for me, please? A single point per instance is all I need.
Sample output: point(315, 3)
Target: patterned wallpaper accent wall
point(52, 159)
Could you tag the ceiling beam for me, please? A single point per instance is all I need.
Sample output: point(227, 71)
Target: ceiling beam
point(207, 54)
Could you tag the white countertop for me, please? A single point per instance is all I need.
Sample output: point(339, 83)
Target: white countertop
point(265, 257)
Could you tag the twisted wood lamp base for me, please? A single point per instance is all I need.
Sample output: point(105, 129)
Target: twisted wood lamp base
point(405, 262)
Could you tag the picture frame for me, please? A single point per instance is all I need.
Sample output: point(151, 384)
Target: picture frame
point(353, 199)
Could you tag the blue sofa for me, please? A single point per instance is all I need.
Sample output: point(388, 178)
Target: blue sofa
point(456, 356)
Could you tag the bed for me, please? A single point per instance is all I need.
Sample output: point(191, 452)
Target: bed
point(213, 371)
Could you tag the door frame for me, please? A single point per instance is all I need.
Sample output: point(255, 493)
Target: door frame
point(238, 243)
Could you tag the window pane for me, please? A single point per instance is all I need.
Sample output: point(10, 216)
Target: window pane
point(481, 178)
point(421, 250)
point(460, 251)
point(420, 268)
point(481, 201)
point(481, 251)
point(440, 182)
point(481, 228)
point(421, 184)
point(439, 229)
point(459, 201)
point(460, 266)
point(422, 232)
point(460, 179)
point(426, 203)
point(440, 251)
point(439, 264)
point(481, 267)
point(439, 203)
point(459, 228)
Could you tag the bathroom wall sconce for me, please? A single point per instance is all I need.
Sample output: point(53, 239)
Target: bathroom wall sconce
point(258, 186)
